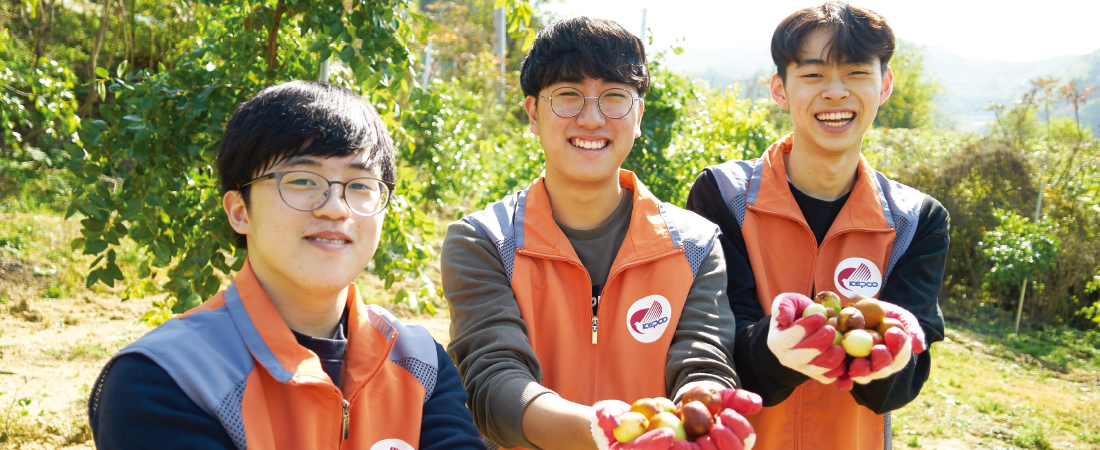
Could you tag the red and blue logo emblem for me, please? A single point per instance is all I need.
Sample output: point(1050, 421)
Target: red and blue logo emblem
point(857, 276)
point(648, 318)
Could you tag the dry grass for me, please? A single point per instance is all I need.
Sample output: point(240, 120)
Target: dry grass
point(979, 398)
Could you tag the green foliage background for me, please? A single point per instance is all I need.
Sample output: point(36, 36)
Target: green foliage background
point(126, 145)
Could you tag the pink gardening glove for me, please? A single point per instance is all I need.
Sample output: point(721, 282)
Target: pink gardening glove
point(606, 420)
point(900, 345)
point(804, 344)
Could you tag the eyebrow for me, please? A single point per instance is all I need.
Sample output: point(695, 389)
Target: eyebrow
point(307, 161)
point(821, 62)
point(812, 62)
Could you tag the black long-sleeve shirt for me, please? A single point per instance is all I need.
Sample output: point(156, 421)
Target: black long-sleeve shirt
point(914, 284)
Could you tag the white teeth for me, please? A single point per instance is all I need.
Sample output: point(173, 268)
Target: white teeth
point(334, 241)
point(591, 145)
point(835, 116)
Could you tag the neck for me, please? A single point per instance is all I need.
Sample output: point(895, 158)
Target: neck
point(306, 311)
point(820, 174)
point(583, 206)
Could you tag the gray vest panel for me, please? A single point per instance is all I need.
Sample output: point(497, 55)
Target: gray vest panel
point(739, 183)
point(502, 223)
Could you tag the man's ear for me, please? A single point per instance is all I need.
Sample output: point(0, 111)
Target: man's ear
point(234, 206)
point(779, 94)
point(887, 85)
point(530, 104)
point(638, 124)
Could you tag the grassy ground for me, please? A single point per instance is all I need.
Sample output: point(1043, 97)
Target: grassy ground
point(989, 388)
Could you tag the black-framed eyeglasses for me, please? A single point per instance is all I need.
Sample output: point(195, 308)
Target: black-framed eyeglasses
point(614, 103)
point(306, 191)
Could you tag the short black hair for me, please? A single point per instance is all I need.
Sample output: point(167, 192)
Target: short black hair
point(858, 35)
point(300, 118)
point(576, 48)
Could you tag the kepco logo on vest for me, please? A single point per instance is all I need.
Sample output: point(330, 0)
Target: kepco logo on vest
point(391, 444)
point(647, 318)
point(857, 276)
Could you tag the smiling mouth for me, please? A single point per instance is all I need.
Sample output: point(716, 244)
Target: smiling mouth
point(836, 119)
point(330, 241)
point(590, 145)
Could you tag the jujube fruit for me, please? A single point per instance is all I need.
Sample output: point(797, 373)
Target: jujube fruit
point(631, 425)
point(850, 319)
point(876, 339)
point(666, 405)
point(887, 324)
point(648, 407)
point(696, 419)
point(872, 310)
point(813, 309)
point(665, 419)
point(857, 343)
point(708, 396)
point(828, 299)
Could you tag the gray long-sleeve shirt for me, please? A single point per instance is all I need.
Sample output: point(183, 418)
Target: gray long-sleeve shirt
point(499, 369)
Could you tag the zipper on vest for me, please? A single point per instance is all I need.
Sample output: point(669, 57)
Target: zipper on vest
point(595, 325)
point(817, 248)
point(345, 406)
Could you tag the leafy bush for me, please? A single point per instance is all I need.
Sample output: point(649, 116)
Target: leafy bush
point(145, 165)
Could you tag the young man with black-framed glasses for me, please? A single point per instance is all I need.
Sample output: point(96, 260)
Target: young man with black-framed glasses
point(289, 356)
point(584, 287)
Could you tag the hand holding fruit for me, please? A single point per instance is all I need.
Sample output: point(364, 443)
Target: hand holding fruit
point(706, 418)
point(616, 427)
point(901, 336)
point(801, 340)
point(879, 337)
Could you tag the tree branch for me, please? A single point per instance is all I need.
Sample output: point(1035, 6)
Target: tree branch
point(273, 36)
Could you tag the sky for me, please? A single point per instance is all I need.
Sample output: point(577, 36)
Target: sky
point(1008, 30)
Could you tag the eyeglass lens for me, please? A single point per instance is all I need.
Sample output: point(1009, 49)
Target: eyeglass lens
point(615, 103)
point(307, 191)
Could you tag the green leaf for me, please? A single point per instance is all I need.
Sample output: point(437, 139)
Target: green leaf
point(101, 72)
point(113, 271)
point(94, 246)
point(92, 279)
point(101, 89)
point(121, 69)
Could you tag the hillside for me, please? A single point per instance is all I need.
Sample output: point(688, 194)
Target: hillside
point(969, 84)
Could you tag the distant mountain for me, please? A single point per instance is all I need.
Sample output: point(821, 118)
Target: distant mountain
point(969, 84)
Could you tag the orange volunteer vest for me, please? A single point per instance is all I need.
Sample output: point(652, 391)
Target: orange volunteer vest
point(860, 249)
point(236, 358)
point(621, 352)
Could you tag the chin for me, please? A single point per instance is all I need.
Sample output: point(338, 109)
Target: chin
point(324, 281)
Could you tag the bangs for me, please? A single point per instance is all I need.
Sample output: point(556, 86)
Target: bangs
point(579, 48)
point(855, 35)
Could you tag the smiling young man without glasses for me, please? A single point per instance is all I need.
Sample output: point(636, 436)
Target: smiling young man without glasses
point(582, 287)
point(811, 215)
point(289, 356)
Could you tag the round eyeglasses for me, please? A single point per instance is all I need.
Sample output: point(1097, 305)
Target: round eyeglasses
point(614, 103)
point(306, 191)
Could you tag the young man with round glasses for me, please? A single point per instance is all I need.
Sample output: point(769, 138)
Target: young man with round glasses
point(289, 356)
point(583, 287)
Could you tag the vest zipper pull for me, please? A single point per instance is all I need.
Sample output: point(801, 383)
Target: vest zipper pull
point(595, 324)
point(346, 406)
